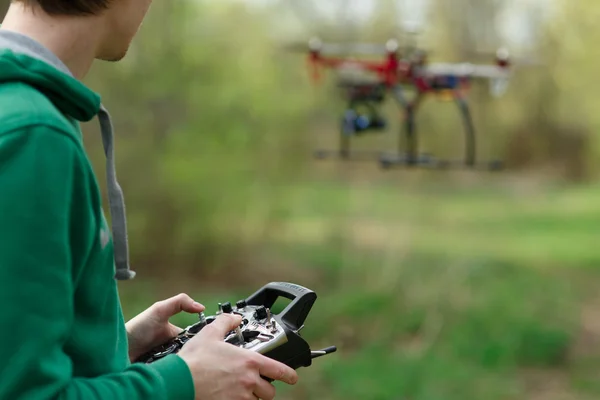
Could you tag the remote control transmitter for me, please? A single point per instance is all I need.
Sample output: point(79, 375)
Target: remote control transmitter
point(276, 336)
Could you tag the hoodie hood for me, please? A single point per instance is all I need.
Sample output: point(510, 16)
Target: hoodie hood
point(24, 60)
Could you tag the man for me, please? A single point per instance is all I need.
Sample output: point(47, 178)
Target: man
point(63, 334)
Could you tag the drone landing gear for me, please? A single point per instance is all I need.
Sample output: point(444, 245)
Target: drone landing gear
point(347, 156)
point(353, 125)
point(413, 159)
point(389, 161)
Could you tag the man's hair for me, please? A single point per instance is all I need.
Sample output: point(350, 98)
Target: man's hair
point(69, 7)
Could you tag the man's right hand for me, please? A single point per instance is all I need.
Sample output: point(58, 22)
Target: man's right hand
point(222, 371)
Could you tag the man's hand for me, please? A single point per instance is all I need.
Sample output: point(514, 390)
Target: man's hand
point(152, 328)
point(222, 371)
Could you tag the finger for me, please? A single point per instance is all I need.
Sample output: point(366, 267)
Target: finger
point(264, 390)
point(221, 326)
point(270, 368)
point(182, 302)
point(192, 307)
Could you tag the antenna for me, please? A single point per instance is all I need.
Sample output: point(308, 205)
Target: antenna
point(323, 352)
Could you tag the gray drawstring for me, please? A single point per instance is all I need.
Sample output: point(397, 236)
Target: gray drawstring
point(115, 200)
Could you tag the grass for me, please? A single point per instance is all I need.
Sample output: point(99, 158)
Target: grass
point(433, 292)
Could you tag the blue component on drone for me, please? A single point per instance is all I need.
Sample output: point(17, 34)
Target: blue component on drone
point(452, 81)
point(353, 122)
point(362, 122)
point(446, 82)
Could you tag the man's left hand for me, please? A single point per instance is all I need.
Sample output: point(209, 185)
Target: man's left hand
point(152, 327)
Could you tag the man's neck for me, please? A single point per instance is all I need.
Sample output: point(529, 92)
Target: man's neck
point(74, 41)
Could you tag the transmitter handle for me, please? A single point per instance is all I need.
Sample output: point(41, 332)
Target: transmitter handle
point(294, 315)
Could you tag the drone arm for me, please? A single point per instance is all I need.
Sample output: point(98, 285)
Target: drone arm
point(336, 63)
point(464, 70)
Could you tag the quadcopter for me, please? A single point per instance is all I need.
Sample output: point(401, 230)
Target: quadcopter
point(367, 83)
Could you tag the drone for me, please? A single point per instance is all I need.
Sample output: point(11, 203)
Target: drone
point(367, 83)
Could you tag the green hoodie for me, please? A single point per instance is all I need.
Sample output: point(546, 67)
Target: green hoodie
point(63, 333)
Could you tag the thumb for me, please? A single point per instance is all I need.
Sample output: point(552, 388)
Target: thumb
point(165, 309)
point(222, 325)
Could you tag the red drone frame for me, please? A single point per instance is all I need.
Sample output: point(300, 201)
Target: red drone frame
point(393, 70)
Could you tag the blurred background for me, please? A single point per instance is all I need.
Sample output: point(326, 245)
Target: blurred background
point(453, 285)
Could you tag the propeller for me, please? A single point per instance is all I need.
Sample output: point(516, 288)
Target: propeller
point(316, 44)
point(339, 49)
point(503, 54)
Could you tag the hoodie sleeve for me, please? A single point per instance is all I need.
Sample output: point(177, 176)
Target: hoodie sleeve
point(41, 183)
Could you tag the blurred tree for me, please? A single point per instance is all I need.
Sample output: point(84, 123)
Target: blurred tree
point(210, 124)
point(556, 121)
point(468, 26)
